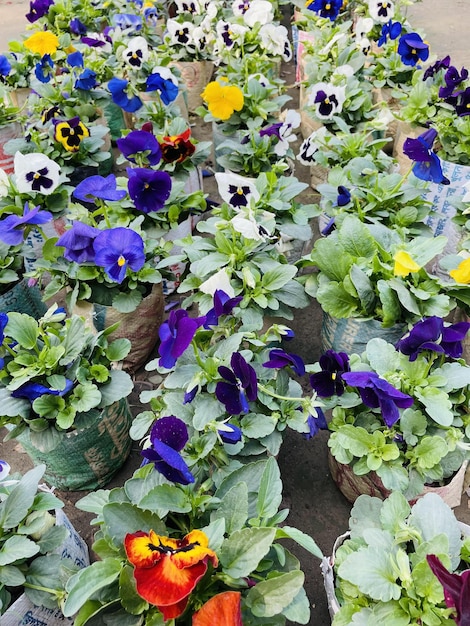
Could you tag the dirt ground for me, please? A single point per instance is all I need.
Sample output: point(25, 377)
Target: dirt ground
point(316, 505)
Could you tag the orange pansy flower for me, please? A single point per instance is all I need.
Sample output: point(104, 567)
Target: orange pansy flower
point(166, 570)
point(224, 609)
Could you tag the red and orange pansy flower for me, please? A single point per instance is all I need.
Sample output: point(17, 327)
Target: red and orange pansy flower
point(177, 148)
point(224, 609)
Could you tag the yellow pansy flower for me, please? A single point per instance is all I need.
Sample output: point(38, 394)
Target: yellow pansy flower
point(222, 100)
point(404, 264)
point(42, 42)
point(461, 274)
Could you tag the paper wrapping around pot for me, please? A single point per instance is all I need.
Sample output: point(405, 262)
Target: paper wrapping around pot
point(194, 77)
point(8, 131)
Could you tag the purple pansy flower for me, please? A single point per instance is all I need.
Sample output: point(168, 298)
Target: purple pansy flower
point(329, 381)
point(230, 433)
point(12, 227)
point(148, 190)
point(168, 437)
point(175, 336)
point(37, 9)
point(140, 142)
point(452, 78)
point(118, 87)
point(412, 49)
point(239, 387)
point(316, 423)
point(271, 131)
point(344, 196)
point(78, 243)
point(166, 88)
point(427, 164)
point(190, 395)
point(326, 8)
point(101, 187)
point(376, 393)
point(223, 305)
point(278, 358)
point(329, 227)
point(3, 323)
point(116, 249)
point(77, 27)
point(86, 80)
point(44, 69)
point(432, 334)
point(127, 21)
point(30, 391)
point(462, 106)
point(456, 589)
point(436, 67)
point(390, 30)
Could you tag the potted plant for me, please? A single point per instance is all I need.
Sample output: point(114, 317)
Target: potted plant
point(40, 548)
point(223, 536)
point(63, 399)
point(399, 417)
point(380, 570)
point(370, 278)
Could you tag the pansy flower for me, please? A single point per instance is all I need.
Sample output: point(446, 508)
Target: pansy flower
point(31, 391)
point(117, 249)
point(275, 41)
point(427, 164)
point(239, 7)
point(236, 190)
point(259, 12)
point(229, 433)
point(327, 99)
point(98, 40)
point(462, 105)
point(316, 423)
point(456, 589)
point(142, 146)
point(75, 59)
point(279, 358)
point(42, 42)
point(69, 133)
point(177, 148)
point(432, 334)
point(390, 30)
point(222, 100)
point(240, 385)
point(4, 469)
point(128, 22)
point(168, 437)
point(98, 187)
point(86, 80)
point(77, 27)
point(223, 609)
point(461, 274)
point(223, 305)
point(149, 190)
point(231, 33)
point(344, 196)
point(326, 8)
point(453, 78)
point(175, 336)
point(404, 264)
point(311, 145)
point(37, 9)
point(12, 228)
point(118, 89)
point(137, 52)
point(218, 280)
point(180, 32)
point(436, 67)
point(167, 570)
point(376, 393)
point(381, 10)
point(78, 242)
point(5, 66)
point(328, 382)
point(164, 82)
point(283, 131)
point(44, 69)
point(36, 173)
point(412, 49)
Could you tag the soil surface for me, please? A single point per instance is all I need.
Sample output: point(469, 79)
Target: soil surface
point(316, 505)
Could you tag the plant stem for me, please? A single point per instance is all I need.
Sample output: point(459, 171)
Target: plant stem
point(268, 392)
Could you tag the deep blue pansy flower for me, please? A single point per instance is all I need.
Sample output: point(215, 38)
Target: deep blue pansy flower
point(344, 196)
point(190, 395)
point(462, 106)
point(412, 49)
point(223, 305)
point(140, 142)
point(116, 249)
point(166, 88)
point(77, 27)
point(30, 391)
point(175, 336)
point(432, 334)
point(390, 30)
point(78, 243)
point(12, 227)
point(117, 87)
point(230, 433)
point(376, 393)
point(75, 59)
point(427, 164)
point(44, 69)
point(168, 437)
point(37, 9)
point(316, 423)
point(5, 65)
point(3, 323)
point(148, 190)
point(86, 80)
point(101, 187)
point(329, 382)
point(326, 8)
point(278, 358)
point(239, 387)
point(329, 227)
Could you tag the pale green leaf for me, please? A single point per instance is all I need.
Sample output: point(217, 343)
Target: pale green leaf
point(233, 508)
point(88, 581)
point(243, 550)
point(372, 571)
point(270, 597)
point(17, 548)
point(270, 490)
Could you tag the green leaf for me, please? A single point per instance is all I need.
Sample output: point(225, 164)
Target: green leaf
point(233, 508)
point(118, 349)
point(428, 452)
point(243, 550)
point(304, 540)
point(127, 302)
point(23, 329)
point(17, 548)
point(75, 340)
point(333, 262)
point(372, 571)
point(270, 490)
point(270, 597)
point(15, 508)
point(365, 291)
point(258, 425)
point(13, 407)
point(85, 397)
point(206, 409)
point(120, 385)
point(165, 498)
point(89, 581)
point(298, 610)
point(394, 510)
point(130, 599)
point(121, 518)
point(391, 308)
point(357, 238)
point(277, 278)
point(437, 405)
point(335, 300)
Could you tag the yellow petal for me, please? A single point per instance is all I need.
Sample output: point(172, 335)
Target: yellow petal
point(234, 95)
point(213, 91)
point(404, 264)
point(42, 42)
point(462, 273)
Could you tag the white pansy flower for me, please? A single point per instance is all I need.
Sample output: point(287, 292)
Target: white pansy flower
point(219, 280)
point(344, 70)
point(236, 190)
point(381, 10)
point(4, 469)
point(260, 12)
point(363, 27)
point(311, 145)
point(250, 227)
point(4, 184)
point(274, 38)
point(180, 32)
point(291, 121)
point(326, 99)
point(36, 173)
point(137, 52)
point(240, 7)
